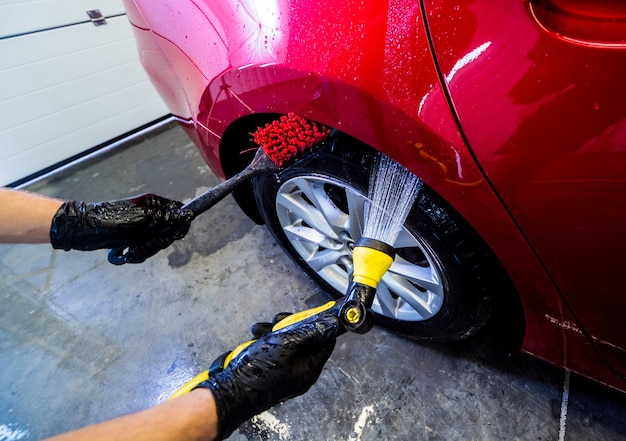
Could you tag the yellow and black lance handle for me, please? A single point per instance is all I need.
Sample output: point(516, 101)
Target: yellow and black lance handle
point(372, 258)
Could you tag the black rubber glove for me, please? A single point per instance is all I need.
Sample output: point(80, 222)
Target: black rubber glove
point(279, 365)
point(149, 223)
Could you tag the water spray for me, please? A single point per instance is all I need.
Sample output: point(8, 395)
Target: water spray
point(392, 192)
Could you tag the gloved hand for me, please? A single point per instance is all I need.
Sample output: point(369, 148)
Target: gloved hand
point(277, 366)
point(148, 223)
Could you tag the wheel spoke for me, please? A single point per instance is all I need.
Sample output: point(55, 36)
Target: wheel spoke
point(408, 293)
point(316, 193)
point(323, 258)
point(356, 211)
point(302, 210)
point(405, 240)
point(422, 277)
point(310, 235)
point(388, 304)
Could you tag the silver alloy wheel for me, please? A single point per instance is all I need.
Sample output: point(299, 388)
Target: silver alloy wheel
point(323, 233)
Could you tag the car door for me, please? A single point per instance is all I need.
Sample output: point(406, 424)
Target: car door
point(539, 92)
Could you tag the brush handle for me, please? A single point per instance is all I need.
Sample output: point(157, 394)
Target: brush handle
point(261, 163)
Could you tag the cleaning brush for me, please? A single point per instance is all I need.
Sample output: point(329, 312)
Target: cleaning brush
point(281, 142)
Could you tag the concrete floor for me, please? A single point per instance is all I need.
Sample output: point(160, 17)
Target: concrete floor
point(82, 341)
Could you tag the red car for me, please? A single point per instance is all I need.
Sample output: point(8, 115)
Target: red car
point(513, 113)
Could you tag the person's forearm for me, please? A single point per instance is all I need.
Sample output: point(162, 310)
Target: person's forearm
point(26, 217)
point(191, 417)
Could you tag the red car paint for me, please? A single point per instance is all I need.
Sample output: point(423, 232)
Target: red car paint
point(513, 112)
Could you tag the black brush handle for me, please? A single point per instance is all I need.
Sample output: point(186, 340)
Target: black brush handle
point(261, 164)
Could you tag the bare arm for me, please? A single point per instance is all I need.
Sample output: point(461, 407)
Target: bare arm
point(278, 365)
point(145, 224)
point(26, 217)
point(191, 417)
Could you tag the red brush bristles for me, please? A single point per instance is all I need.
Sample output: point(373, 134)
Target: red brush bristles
point(285, 139)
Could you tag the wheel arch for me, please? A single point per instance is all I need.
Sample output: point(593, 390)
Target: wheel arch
point(239, 100)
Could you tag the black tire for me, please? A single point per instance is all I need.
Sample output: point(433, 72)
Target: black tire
point(458, 265)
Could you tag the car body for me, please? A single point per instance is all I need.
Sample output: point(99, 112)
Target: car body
point(512, 112)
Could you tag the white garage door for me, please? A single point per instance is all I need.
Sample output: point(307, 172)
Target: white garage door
point(66, 84)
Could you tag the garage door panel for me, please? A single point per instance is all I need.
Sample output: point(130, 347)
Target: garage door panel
point(19, 17)
point(30, 108)
point(50, 148)
point(63, 55)
point(70, 89)
point(34, 50)
point(38, 131)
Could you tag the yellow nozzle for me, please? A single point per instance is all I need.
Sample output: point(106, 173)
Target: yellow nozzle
point(370, 264)
point(353, 315)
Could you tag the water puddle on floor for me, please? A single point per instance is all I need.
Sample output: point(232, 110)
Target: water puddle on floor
point(9, 432)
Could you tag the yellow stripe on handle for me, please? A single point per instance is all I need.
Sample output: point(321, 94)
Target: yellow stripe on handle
point(302, 315)
point(237, 351)
point(188, 386)
point(289, 320)
point(370, 265)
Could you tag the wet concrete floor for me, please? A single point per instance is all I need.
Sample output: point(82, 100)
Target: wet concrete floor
point(82, 341)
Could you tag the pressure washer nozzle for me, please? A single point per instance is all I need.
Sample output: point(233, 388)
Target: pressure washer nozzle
point(353, 314)
point(353, 308)
point(372, 258)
